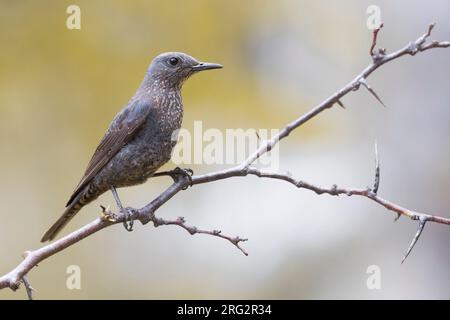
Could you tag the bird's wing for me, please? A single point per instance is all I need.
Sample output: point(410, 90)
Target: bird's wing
point(122, 129)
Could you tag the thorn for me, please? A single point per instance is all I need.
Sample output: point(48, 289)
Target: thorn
point(422, 223)
point(376, 183)
point(369, 88)
point(339, 102)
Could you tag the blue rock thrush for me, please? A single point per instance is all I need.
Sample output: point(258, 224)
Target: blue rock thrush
point(140, 138)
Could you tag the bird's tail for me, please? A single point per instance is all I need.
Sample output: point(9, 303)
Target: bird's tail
point(79, 201)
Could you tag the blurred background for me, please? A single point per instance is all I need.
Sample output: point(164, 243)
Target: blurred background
point(60, 88)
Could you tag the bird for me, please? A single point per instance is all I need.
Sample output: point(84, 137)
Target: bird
point(140, 138)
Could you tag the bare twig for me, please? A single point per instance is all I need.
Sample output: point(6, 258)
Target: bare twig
point(181, 222)
point(374, 41)
point(146, 214)
point(28, 287)
point(376, 183)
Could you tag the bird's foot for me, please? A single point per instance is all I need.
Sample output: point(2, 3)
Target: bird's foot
point(107, 215)
point(128, 221)
point(176, 173)
point(183, 172)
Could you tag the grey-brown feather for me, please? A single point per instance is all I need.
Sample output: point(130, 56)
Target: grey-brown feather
point(140, 138)
point(138, 142)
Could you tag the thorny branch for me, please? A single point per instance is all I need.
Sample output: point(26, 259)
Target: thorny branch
point(147, 213)
point(180, 221)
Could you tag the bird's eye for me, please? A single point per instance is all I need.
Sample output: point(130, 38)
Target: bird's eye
point(174, 61)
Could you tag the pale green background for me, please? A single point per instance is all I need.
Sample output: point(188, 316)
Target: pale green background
point(59, 89)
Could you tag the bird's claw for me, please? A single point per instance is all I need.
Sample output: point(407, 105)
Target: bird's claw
point(106, 215)
point(128, 221)
point(185, 172)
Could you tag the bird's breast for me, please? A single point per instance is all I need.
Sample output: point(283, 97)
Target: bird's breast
point(160, 132)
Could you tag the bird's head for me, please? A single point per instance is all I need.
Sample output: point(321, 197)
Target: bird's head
point(173, 68)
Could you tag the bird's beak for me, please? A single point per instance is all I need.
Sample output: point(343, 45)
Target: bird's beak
point(206, 66)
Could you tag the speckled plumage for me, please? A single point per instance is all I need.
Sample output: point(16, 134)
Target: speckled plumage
point(140, 138)
point(150, 148)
